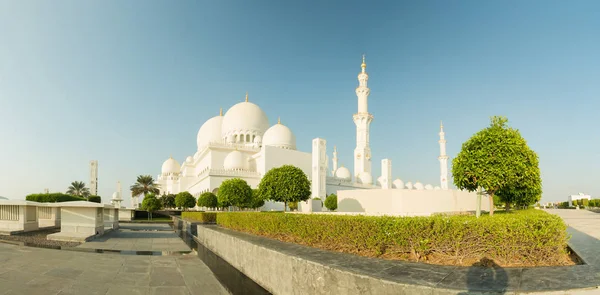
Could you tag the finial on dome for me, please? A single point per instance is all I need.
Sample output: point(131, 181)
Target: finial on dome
point(334, 148)
point(278, 120)
point(171, 156)
point(221, 112)
point(364, 63)
point(246, 96)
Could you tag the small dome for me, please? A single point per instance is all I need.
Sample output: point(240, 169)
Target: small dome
point(189, 160)
point(436, 188)
point(235, 160)
point(409, 185)
point(170, 166)
point(429, 187)
point(244, 118)
point(115, 196)
point(398, 183)
point(209, 132)
point(379, 180)
point(343, 173)
point(419, 186)
point(365, 178)
point(280, 136)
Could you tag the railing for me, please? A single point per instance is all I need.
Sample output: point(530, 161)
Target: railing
point(9, 212)
point(45, 213)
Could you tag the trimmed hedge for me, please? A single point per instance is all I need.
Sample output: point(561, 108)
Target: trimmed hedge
point(528, 237)
point(203, 217)
point(95, 199)
point(53, 198)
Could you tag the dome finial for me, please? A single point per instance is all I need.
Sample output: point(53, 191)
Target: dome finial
point(278, 120)
point(246, 96)
point(221, 112)
point(364, 63)
point(171, 156)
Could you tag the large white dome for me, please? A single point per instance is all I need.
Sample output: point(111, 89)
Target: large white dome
point(343, 173)
point(280, 136)
point(365, 178)
point(419, 186)
point(398, 183)
point(209, 132)
point(235, 160)
point(244, 120)
point(170, 166)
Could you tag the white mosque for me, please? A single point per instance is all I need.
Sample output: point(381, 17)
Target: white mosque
point(241, 144)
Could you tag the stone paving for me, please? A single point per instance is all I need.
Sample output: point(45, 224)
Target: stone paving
point(582, 220)
point(139, 237)
point(32, 271)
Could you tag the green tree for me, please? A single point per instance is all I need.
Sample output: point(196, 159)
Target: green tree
point(285, 184)
point(293, 206)
point(331, 202)
point(256, 201)
point(167, 200)
point(78, 188)
point(208, 200)
point(498, 160)
point(234, 192)
point(185, 200)
point(95, 199)
point(151, 204)
point(144, 185)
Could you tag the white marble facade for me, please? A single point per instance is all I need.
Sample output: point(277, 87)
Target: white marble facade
point(241, 143)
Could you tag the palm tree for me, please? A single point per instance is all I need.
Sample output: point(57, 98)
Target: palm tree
point(144, 185)
point(78, 188)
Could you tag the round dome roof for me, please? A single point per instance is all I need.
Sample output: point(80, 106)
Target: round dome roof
point(419, 186)
point(209, 132)
point(281, 136)
point(244, 117)
point(428, 187)
point(170, 166)
point(115, 195)
point(365, 178)
point(189, 160)
point(436, 188)
point(343, 173)
point(235, 160)
point(409, 185)
point(398, 183)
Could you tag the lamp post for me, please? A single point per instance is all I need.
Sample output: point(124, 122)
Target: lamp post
point(478, 208)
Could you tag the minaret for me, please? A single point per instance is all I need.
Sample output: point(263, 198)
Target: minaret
point(443, 159)
point(334, 161)
point(94, 177)
point(362, 119)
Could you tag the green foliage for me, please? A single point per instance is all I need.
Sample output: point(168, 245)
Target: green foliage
point(293, 206)
point(151, 203)
point(95, 199)
point(594, 203)
point(144, 185)
point(331, 202)
point(256, 200)
point(234, 192)
point(185, 200)
point(525, 237)
point(285, 184)
point(208, 200)
point(53, 198)
point(203, 217)
point(498, 159)
point(168, 201)
point(78, 188)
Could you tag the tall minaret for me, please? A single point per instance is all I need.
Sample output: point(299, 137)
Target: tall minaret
point(334, 161)
point(443, 159)
point(362, 119)
point(94, 177)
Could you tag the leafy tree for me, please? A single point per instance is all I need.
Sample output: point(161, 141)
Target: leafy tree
point(151, 204)
point(285, 184)
point(78, 188)
point(331, 202)
point(168, 201)
point(293, 206)
point(234, 192)
point(144, 185)
point(208, 200)
point(256, 201)
point(185, 200)
point(498, 159)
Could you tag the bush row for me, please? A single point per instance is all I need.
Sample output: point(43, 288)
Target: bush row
point(203, 217)
point(530, 237)
point(53, 198)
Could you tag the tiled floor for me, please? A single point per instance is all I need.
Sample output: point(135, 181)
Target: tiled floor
point(139, 237)
point(582, 220)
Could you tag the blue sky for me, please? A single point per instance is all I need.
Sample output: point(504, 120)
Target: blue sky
point(128, 82)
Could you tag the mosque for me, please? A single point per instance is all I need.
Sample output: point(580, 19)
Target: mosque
point(241, 144)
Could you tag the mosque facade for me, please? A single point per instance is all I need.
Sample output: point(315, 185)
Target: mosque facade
point(241, 144)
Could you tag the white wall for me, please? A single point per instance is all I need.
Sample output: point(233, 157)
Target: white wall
point(408, 202)
point(274, 157)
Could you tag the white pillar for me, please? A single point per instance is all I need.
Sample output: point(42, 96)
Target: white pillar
point(334, 161)
point(443, 160)
point(386, 173)
point(362, 120)
point(319, 172)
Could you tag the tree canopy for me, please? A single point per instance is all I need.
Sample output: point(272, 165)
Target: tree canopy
point(144, 185)
point(256, 200)
point(77, 188)
point(208, 200)
point(285, 184)
point(151, 203)
point(234, 192)
point(185, 200)
point(331, 202)
point(168, 200)
point(498, 159)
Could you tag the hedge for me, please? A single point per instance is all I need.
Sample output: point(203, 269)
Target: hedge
point(95, 199)
point(529, 237)
point(203, 217)
point(53, 198)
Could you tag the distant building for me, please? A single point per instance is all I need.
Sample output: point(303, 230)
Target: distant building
point(580, 196)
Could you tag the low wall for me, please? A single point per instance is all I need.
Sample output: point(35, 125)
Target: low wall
point(403, 202)
point(185, 225)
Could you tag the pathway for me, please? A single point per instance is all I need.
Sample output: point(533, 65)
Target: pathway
point(31, 271)
point(582, 220)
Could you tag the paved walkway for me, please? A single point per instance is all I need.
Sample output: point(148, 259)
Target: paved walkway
point(139, 237)
point(26, 270)
point(582, 220)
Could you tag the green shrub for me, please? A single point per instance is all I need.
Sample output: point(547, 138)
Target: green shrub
point(529, 237)
point(185, 200)
point(293, 206)
point(203, 217)
point(95, 199)
point(52, 198)
point(234, 192)
point(331, 202)
point(208, 200)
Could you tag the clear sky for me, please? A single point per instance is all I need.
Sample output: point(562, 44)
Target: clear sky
point(128, 83)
